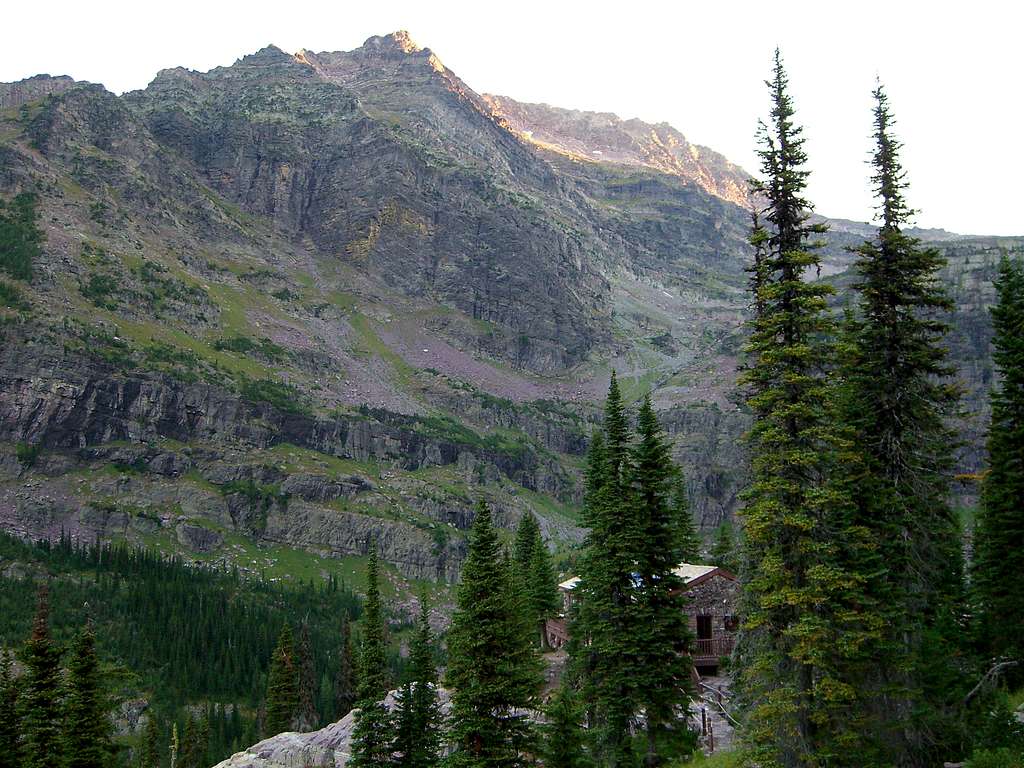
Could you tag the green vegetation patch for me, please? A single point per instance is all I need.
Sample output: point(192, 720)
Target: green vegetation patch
point(20, 237)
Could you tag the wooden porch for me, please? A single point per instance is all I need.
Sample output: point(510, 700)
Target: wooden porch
point(708, 651)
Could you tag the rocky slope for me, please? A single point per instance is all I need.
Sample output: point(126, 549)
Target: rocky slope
point(310, 299)
point(604, 137)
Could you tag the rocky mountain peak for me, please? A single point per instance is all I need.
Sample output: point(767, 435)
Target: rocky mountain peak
point(604, 137)
point(32, 89)
point(397, 42)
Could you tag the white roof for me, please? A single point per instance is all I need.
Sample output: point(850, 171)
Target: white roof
point(686, 571)
point(569, 584)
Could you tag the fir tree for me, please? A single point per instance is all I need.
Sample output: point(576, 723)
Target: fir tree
point(562, 737)
point(418, 715)
point(800, 598)
point(606, 618)
point(688, 546)
point(345, 673)
point(308, 718)
point(10, 722)
point(282, 685)
point(663, 639)
point(724, 552)
point(371, 738)
point(542, 590)
point(40, 693)
point(898, 398)
point(527, 539)
point(87, 740)
point(492, 667)
point(534, 571)
point(999, 534)
point(150, 751)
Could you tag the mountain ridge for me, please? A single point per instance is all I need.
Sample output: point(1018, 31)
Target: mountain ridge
point(306, 268)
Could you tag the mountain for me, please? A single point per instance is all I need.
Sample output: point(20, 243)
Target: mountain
point(604, 137)
point(288, 307)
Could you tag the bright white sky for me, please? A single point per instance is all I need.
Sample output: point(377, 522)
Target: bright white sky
point(953, 71)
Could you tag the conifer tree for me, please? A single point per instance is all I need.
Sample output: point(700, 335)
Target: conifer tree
point(542, 590)
point(87, 741)
point(688, 544)
point(493, 668)
point(535, 573)
point(606, 618)
point(150, 751)
point(418, 714)
point(40, 693)
point(526, 541)
point(723, 549)
point(664, 638)
point(999, 535)
point(562, 737)
point(282, 685)
point(10, 722)
point(308, 718)
point(371, 736)
point(345, 673)
point(800, 598)
point(898, 400)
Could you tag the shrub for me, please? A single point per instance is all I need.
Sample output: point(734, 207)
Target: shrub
point(100, 290)
point(27, 454)
point(284, 397)
point(996, 758)
point(11, 296)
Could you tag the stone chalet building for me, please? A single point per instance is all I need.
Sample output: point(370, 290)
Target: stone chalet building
point(712, 599)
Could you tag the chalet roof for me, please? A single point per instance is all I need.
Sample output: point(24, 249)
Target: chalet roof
point(688, 572)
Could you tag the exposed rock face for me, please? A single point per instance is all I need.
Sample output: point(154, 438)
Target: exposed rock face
point(32, 89)
point(605, 137)
point(442, 279)
point(326, 748)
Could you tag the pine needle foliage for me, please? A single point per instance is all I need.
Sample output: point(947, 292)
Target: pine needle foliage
point(898, 399)
point(999, 535)
point(86, 722)
point(40, 693)
point(282, 685)
point(801, 596)
point(10, 721)
point(493, 668)
point(371, 734)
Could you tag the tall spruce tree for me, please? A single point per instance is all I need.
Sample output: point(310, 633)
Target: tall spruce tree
point(10, 722)
point(898, 399)
point(371, 733)
point(40, 693)
point(418, 713)
point(606, 618)
point(345, 672)
point(663, 640)
point(282, 685)
point(493, 668)
point(527, 539)
point(542, 591)
point(149, 756)
point(87, 726)
point(999, 534)
point(307, 718)
point(688, 545)
point(724, 551)
point(801, 600)
point(535, 573)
